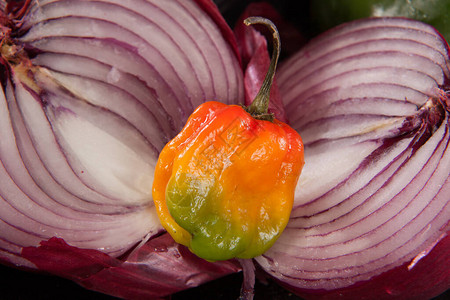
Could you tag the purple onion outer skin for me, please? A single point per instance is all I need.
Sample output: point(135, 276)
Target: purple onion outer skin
point(371, 214)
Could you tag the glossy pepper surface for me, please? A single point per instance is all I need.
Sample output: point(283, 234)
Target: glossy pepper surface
point(225, 185)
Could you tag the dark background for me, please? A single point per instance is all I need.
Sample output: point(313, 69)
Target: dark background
point(18, 285)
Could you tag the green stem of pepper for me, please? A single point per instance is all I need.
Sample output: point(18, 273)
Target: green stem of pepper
point(260, 105)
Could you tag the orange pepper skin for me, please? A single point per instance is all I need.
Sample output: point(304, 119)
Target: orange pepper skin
point(224, 186)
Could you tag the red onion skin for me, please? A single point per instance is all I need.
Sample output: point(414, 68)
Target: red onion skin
point(429, 278)
point(159, 268)
point(291, 37)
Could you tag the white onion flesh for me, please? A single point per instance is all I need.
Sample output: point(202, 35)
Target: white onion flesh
point(113, 82)
point(369, 100)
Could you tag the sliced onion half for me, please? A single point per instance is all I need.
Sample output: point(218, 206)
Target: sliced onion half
point(370, 100)
point(92, 91)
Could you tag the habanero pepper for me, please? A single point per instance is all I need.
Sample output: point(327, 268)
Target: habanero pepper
point(224, 186)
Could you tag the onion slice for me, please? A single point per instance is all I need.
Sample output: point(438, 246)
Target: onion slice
point(370, 99)
point(91, 92)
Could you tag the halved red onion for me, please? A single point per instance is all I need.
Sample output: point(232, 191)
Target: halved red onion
point(92, 90)
point(370, 100)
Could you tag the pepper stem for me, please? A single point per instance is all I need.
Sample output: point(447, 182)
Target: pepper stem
point(260, 105)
